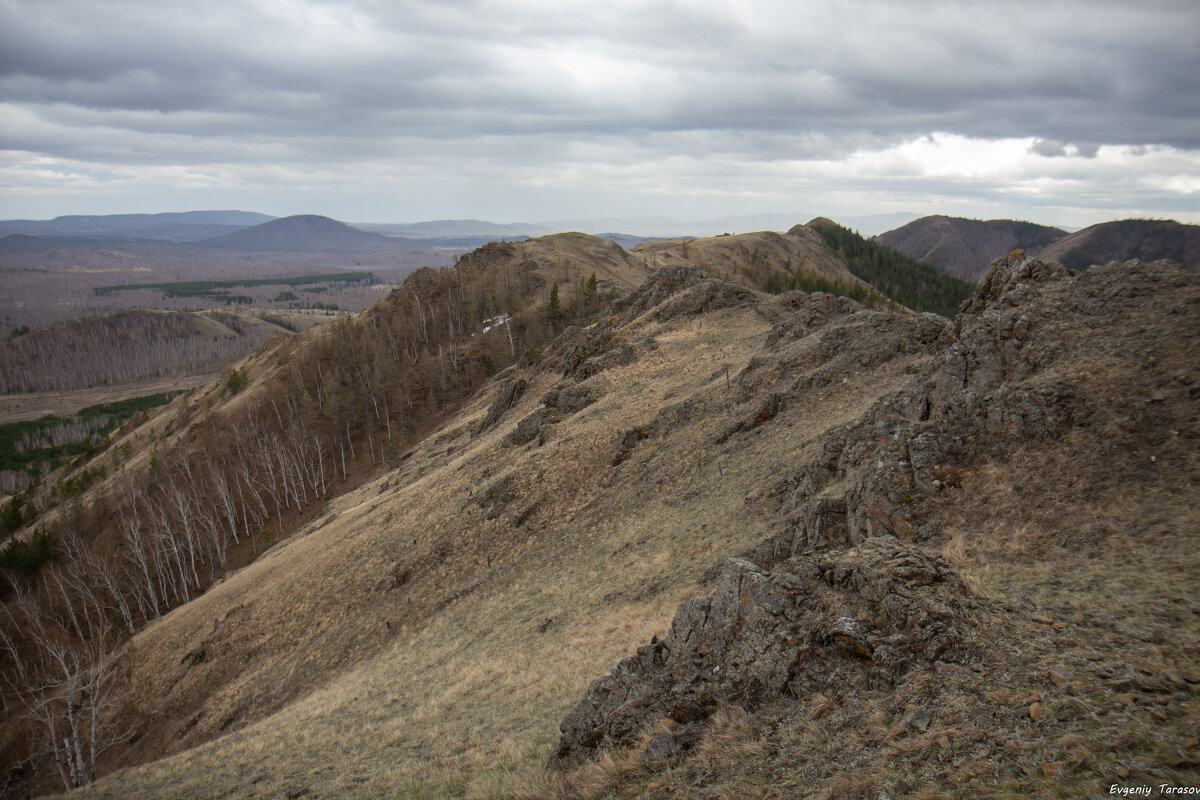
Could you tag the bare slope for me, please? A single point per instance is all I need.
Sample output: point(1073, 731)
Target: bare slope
point(751, 258)
point(967, 247)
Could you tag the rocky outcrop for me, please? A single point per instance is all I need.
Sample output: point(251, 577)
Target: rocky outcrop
point(510, 392)
point(561, 401)
point(660, 286)
point(669, 292)
point(989, 389)
point(568, 397)
point(580, 353)
point(864, 613)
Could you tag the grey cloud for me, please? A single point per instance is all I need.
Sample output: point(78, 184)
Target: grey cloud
point(711, 87)
point(1052, 149)
point(975, 70)
point(1048, 148)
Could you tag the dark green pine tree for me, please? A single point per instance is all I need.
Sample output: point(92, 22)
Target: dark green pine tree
point(553, 312)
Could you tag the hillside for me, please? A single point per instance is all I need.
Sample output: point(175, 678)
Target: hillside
point(756, 259)
point(20, 244)
point(967, 247)
point(1144, 239)
point(306, 233)
point(913, 284)
point(131, 346)
point(898, 550)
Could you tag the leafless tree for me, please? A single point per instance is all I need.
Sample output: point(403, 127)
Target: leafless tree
point(69, 690)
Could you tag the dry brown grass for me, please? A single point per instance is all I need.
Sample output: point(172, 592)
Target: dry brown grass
point(749, 258)
point(343, 683)
point(453, 684)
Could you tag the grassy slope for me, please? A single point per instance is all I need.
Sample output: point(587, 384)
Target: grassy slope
point(479, 662)
point(751, 258)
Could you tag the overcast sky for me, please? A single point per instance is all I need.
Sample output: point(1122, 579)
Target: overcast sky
point(404, 110)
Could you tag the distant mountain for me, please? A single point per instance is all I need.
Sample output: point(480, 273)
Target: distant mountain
point(967, 247)
point(187, 226)
point(649, 228)
point(628, 231)
point(306, 233)
point(1122, 240)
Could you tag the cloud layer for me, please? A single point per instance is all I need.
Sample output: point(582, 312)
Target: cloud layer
point(379, 110)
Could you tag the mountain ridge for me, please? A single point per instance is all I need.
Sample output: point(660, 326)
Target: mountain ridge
point(182, 226)
point(1122, 240)
point(507, 525)
point(443, 616)
point(966, 247)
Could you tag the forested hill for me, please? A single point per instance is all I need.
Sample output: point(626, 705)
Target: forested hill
point(1144, 239)
point(906, 280)
point(967, 247)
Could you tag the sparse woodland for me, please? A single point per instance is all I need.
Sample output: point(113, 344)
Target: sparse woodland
point(119, 348)
point(341, 403)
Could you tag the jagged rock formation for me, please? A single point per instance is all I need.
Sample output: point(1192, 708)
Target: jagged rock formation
point(806, 624)
point(845, 592)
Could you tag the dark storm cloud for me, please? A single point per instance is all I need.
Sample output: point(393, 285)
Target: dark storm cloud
point(1097, 72)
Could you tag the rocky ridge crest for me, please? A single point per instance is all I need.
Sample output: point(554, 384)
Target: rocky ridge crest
point(845, 593)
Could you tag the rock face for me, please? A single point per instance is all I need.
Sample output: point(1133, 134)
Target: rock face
point(510, 392)
point(844, 591)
